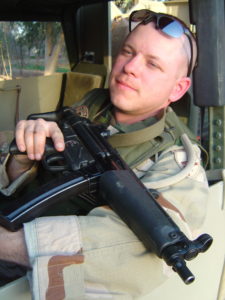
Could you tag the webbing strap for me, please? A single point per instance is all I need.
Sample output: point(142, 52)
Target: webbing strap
point(138, 136)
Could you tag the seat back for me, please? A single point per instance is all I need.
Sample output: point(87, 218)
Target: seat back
point(78, 84)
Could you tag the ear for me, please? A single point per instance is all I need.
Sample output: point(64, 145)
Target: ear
point(180, 88)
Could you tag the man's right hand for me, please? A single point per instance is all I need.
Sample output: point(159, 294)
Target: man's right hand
point(31, 137)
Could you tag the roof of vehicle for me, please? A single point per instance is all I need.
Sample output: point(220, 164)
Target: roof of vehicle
point(39, 9)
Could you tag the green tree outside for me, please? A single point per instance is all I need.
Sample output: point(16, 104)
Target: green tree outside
point(27, 47)
point(125, 5)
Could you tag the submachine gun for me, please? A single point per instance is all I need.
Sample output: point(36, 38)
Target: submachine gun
point(90, 164)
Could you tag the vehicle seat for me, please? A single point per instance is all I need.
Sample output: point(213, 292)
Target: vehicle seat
point(78, 84)
point(85, 77)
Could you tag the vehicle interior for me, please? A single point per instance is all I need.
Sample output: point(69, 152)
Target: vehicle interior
point(88, 34)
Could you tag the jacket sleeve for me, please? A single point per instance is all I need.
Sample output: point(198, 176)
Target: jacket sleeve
point(7, 188)
point(94, 256)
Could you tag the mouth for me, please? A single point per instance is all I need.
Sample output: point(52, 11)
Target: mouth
point(124, 85)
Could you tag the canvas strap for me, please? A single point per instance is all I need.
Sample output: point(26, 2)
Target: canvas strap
point(138, 136)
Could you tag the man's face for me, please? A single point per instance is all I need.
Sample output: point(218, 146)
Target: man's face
point(146, 72)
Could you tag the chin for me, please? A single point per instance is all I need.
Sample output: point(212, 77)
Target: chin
point(121, 97)
point(120, 102)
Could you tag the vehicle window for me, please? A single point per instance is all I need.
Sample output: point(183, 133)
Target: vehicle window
point(31, 49)
point(119, 22)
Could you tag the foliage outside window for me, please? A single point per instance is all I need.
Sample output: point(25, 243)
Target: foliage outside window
point(31, 49)
point(125, 5)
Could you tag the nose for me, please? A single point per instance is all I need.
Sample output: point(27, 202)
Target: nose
point(133, 65)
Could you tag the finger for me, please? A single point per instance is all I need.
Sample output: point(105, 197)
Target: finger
point(56, 134)
point(45, 129)
point(19, 135)
point(39, 138)
point(29, 138)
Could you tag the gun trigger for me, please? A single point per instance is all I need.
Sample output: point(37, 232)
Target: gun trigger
point(54, 162)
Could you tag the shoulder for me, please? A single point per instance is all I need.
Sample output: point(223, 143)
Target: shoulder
point(178, 174)
point(93, 97)
point(177, 127)
point(92, 103)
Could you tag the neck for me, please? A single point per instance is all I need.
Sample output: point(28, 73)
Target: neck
point(126, 118)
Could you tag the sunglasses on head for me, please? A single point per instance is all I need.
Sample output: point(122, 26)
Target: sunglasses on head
point(168, 24)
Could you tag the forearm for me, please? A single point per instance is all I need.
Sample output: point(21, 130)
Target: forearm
point(13, 247)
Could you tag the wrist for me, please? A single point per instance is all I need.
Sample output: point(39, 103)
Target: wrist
point(22, 159)
point(17, 165)
point(13, 246)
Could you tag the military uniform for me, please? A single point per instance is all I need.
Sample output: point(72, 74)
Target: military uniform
point(97, 256)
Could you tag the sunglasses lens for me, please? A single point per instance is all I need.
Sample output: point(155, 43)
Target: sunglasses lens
point(170, 27)
point(140, 15)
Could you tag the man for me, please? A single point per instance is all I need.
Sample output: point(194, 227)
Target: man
point(97, 255)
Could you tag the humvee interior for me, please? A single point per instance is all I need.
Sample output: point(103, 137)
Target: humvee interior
point(78, 21)
point(87, 33)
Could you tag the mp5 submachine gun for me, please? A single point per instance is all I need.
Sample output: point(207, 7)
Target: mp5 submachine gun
point(90, 164)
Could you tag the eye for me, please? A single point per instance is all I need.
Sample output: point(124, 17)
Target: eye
point(126, 51)
point(153, 64)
